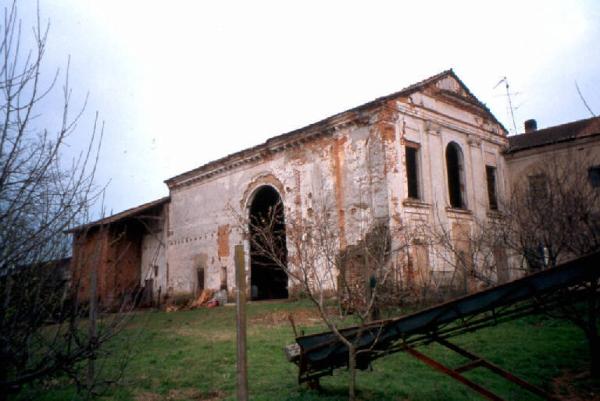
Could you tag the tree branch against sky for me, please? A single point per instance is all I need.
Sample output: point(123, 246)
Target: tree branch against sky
point(43, 194)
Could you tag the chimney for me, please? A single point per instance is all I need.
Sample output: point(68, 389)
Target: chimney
point(530, 126)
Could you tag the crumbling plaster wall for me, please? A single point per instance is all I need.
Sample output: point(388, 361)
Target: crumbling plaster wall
point(355, 168)
point(431, 121)
point(330, 170)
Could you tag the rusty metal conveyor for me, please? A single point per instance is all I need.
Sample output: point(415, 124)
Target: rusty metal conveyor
point(319, 354)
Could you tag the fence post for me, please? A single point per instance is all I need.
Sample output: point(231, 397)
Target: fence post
point(240, 297)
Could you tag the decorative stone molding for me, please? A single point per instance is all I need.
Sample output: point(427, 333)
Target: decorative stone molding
point(257, 182)
point(271, 147)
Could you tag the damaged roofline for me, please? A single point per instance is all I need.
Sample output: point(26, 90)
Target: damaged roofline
point(300, 135)
point(273, 145)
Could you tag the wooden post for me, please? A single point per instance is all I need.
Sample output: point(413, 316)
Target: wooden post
point(240, 297)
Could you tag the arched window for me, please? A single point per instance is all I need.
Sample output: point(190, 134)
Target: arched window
point(455, 166)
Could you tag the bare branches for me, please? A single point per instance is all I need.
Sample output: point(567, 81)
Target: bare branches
point(471, 250)
point(345, 284)
point(38, 195)
point(41, 197)
point(553, 214)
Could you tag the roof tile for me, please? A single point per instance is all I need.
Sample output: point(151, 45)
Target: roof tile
point(558, 133)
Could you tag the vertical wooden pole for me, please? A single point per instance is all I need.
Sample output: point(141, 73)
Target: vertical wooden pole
point(240, 297)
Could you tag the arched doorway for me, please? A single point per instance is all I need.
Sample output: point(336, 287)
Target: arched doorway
point(267, 278)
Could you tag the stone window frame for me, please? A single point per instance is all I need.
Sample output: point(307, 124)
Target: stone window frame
point(417, 176)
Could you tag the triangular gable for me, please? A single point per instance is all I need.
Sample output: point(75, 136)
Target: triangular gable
point(452, 85)
point(445, 83)
point(451, 89)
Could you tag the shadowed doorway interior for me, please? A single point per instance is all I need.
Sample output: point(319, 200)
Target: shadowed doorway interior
point(267, 279)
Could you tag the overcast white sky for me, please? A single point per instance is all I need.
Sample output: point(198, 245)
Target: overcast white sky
point(181, 83)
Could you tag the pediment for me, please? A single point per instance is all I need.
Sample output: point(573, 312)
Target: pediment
point(453, 88)
point(450, 89)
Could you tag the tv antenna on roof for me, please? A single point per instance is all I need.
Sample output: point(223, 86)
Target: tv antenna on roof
point(510, 106)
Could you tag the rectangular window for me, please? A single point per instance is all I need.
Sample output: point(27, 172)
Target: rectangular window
point(412, 171)
point(537, 186)
point(490, 173)
point(594, 176)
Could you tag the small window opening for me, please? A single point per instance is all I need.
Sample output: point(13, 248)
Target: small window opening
point(594, 176)
point(490, 173)
point(412, 172)
point(456, 179)
point(223, 277)
point(200, 279)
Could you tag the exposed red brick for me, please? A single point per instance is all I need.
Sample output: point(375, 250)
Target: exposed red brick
point(338, 185)
point(115, 253)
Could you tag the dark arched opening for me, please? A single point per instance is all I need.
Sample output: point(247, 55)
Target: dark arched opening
point(267, 278)
point(456, 179)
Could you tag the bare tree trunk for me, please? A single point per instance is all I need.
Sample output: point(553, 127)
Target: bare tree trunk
point(324, 270)
point(367, 280)
point(352, 368)
point(240, 299)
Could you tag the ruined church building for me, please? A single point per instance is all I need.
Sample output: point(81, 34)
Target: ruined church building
point(431, 150)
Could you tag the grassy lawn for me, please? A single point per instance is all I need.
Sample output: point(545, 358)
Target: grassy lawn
point(190, 355)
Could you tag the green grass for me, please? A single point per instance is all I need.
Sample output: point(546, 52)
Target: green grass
point(191, 355)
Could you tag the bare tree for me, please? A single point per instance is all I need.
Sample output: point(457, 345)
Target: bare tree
point(42, 195)
point(554, 212)
point(471, 251)
point(554, 216)
point(346, 285)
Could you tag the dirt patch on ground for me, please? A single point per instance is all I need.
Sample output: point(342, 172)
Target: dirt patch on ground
point(575, 386)
point(148, 396)
point(181, 394)
point(300, 316)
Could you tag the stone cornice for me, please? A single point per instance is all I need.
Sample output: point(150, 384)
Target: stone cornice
point(374, 112)
point(271, 147)
point(444, 121)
